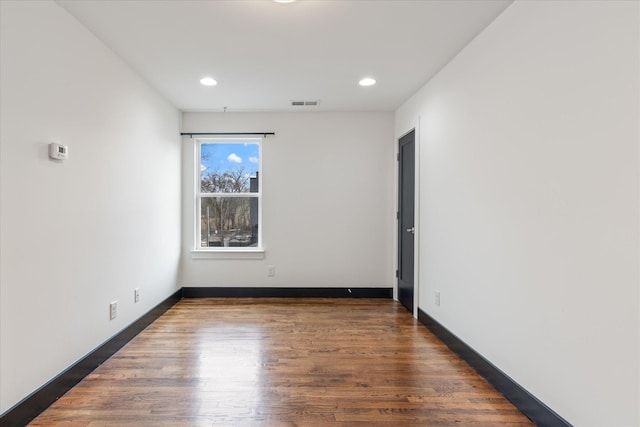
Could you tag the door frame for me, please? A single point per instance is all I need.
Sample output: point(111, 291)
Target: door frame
point(416, 240)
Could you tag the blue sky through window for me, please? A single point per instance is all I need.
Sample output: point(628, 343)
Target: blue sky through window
point(222, 157)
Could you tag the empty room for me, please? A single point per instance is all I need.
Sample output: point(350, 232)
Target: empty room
point(320, 212)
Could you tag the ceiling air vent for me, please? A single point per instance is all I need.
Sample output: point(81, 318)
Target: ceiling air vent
point(312, 103)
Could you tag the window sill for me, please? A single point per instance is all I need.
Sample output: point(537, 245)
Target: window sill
point(227, 253)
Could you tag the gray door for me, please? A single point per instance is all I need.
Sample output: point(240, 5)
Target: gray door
point(406, 229)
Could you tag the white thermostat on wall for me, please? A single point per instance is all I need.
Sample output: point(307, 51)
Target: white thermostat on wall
point(58, 151)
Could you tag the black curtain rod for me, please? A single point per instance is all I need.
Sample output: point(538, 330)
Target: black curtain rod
point(190, 134)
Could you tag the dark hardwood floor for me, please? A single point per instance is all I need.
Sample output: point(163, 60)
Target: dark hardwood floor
point(283, 362)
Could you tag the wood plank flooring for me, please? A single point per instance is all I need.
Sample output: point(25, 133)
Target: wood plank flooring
point(283, 362)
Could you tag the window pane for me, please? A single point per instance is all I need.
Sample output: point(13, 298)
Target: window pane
point(229, 221)
point(229, 167)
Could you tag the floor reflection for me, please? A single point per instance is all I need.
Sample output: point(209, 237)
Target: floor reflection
point(229, 360)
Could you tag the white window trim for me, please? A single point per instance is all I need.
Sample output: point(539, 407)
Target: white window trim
point(228, 253)
point(198, 252)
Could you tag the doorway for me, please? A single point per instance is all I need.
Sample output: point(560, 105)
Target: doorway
point(406, 225)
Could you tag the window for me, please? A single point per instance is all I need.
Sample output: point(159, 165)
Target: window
point(228, 196)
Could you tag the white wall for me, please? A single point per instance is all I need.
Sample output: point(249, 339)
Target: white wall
point(529, 202)
point(78, 234)
point(328, 204)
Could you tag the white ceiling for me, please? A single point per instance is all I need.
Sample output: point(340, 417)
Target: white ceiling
point(266, 54)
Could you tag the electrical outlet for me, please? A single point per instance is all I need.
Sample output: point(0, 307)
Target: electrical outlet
point(271, 271)
point(136, 295)
point(438, 298)
point(113, 310)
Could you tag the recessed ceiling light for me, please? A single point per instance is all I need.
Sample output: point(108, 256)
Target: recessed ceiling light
point(284, 1)
point(368, 81)
point(208, 81)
